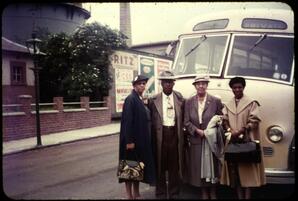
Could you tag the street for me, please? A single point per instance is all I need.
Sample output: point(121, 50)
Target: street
point(87, 170)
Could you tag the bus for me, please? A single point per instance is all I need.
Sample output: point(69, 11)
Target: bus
point(257, 44)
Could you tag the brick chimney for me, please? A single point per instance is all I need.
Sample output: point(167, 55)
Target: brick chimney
point(125, 24)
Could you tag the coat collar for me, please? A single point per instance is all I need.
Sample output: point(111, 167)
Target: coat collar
point(158, 103)
point(136, 95)
point(209, 99)
point(243, 103)
point(177, 103)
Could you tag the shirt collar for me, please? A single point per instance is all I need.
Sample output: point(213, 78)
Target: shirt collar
point(165, 95)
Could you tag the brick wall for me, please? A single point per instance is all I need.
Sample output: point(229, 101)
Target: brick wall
point(10, 93)
point(22, 124)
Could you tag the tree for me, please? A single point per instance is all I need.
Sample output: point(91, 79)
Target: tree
point(78, 65)
point(55, 66)
point(91, 47)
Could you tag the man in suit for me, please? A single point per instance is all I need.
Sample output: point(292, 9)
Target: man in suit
point(167, 123)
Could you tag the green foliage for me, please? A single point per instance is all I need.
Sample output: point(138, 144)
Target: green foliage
point(55, 66)
point(78, 65)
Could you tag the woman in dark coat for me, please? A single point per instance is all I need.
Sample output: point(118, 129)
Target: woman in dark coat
point(135, 138)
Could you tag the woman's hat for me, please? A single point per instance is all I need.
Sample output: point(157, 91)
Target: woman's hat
point(201, 78)
point(166, 75)
point(139, 78)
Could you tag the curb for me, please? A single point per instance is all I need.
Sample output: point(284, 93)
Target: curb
point(56, 144)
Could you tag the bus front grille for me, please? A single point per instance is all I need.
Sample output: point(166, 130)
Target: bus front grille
point(268, 151)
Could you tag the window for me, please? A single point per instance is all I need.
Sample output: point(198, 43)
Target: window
point(213, 24)
point(254, 23)
point(18, 73)
point(272, 58)
point(201, 54)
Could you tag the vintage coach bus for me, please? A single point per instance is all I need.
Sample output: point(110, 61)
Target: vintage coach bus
point(257, 44)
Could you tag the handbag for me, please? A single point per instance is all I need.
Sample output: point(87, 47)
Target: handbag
point(131, 170)
point(245, 152)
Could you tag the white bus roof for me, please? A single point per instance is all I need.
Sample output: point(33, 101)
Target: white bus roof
point(235, 18)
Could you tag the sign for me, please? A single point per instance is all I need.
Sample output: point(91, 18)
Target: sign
point(161, 65)
point(123, 78)
point(125, 64)
point(147, 69)
point(124, 60)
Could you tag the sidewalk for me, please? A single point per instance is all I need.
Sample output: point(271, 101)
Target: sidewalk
point(60, 138)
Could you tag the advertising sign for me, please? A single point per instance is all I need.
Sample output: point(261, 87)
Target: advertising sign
point(123, 78)
point(124, 64)
point(147, 68)
point(161, 65)
point(124, 60)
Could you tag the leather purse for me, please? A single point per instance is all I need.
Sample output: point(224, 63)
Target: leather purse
point(246, 152)
point(131, 170)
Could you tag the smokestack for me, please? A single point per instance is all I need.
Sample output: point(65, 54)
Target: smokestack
point(125, 24)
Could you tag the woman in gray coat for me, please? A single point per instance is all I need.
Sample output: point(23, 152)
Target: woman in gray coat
point(199, 109)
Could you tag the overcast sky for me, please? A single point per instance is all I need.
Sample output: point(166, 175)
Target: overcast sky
point(153, 22)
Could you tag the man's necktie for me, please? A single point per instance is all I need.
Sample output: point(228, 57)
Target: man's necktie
point(170, 109)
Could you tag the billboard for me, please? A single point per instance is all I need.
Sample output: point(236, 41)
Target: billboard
point(147, 68)
point(152, 67)
point(125, 66)
point(161, 65)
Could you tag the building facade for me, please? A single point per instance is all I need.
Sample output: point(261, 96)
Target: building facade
point(17, 78)
point(19, 19)
point(18, 22)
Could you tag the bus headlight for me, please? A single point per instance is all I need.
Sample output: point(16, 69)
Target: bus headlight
point(275, 134)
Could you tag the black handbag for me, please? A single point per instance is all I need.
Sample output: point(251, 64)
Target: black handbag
point(246, 152)
point(131, 170)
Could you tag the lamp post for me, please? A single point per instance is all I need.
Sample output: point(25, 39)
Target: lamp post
point(32, 45)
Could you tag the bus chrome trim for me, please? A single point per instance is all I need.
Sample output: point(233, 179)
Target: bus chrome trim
point(280, 176)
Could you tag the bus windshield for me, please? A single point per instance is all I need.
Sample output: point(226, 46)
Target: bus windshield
point(201, 54)
point(262, 56)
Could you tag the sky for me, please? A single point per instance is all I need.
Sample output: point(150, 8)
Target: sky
point(155, 22)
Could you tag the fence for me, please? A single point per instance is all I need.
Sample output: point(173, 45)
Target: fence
point(19, 119)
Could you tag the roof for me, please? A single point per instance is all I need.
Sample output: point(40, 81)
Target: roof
point(236, 16)
point(130, 50)
point(79, 7)
point(12, 46)
point(152, 44)
point(9, 45)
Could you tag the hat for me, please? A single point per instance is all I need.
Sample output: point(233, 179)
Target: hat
point(201, 78)
point(166, 75)
point(139, 78)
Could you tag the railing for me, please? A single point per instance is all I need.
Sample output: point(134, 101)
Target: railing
point(43, 106)
point(58, 105)
point(55, 117)
point(98, 105)
point(11, 108)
